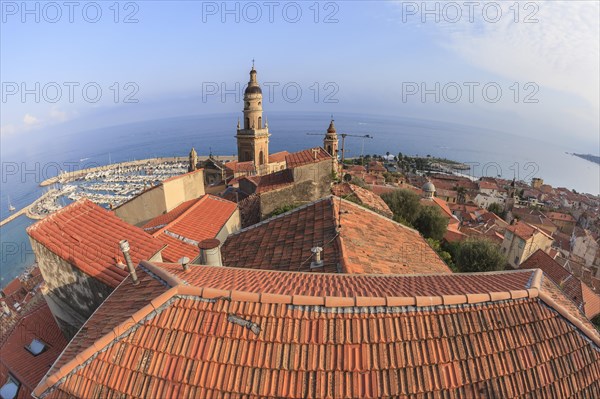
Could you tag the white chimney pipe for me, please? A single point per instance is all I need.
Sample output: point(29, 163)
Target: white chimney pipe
point(124, 244)
point(317, 262)
point(210, 252)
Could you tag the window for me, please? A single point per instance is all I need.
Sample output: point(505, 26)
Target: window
point(521, 244)
point(516, 260)
point(260, 122)
point(10, 389)
point(36, 347)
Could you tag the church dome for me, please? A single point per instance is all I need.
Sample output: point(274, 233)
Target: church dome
point(429, 187)
point(253, 90)
point(331, 128)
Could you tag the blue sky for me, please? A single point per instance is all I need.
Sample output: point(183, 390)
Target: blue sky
point(368, 58)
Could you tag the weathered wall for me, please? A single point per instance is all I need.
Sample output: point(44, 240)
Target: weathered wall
point(247, 186)
point(77, 294)
point(231, 226)
point(162, 199)
point(183, 188)
point(144, 207)
point(311, 182)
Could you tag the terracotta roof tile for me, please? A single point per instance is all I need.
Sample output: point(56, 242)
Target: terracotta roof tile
point(305, 157)
point(366, 243)
point(284, 242)
point(524, 230)
point(364, 197)
point(235, 166)
point(14, 287)
point(278, 157)
point(18, 361)
point(162, 220)
point(213, 341)
point(272, 181)
point(87, 236)
point(203, 219)
point(585, 299)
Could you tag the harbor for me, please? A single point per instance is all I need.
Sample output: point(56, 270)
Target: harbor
point(108, 185)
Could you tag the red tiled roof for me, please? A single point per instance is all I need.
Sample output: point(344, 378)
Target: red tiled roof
point(278, 157)
point(240, 339)
point(486, 185)
point(235, 166)
point(443, 205)
point(162, 220)
point(357, 168)
point(376, 166)
point(12, 288)
point(573, 288)
point(306, 157)
point(563, 217)
point(22, 364)
point(366, 243)
point(203, 219)
point(525, 231)
point(87, 236)
point(272, 181)
point(364, 197)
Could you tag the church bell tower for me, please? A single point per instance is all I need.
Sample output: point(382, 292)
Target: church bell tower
point(253, 136)
point(330, 143)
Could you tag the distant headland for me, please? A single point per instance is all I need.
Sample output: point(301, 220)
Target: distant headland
point(588, 157)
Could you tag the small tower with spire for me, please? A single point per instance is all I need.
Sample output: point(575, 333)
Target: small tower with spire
point(193, 160)
point(330, 142)
point(253, 136)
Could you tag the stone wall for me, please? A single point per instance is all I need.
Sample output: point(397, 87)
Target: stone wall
point(71, 294)
point(311, 182)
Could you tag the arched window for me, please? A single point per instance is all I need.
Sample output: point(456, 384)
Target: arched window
point(247, 124)
point(329, 150)
point(261, 158)
point(260, 122)
point(246, 156)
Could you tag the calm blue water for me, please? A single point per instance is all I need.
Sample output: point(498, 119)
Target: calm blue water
point(28, 162)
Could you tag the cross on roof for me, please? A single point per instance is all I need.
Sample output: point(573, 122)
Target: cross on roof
point(252, 63)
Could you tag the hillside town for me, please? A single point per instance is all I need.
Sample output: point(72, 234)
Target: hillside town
point(310, 275)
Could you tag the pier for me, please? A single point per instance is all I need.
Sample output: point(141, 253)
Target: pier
point(15, 215)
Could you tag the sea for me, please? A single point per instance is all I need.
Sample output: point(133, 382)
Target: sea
point(489, 153)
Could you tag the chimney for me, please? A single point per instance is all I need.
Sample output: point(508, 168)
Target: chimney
point(317, 262)
point(184, 263)
point(124, 244)
point(210, 252)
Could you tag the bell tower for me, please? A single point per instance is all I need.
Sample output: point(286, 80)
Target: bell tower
point(253, 134)
point(330, 143)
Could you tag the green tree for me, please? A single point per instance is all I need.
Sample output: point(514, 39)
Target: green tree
point(596, 322)
point(404, 204)
point(445, 255)
point(497, 209)
point(431, 223)
point(478, 255)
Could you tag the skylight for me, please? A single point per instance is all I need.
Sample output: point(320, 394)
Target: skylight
point(10, 389)
point(36, 347)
